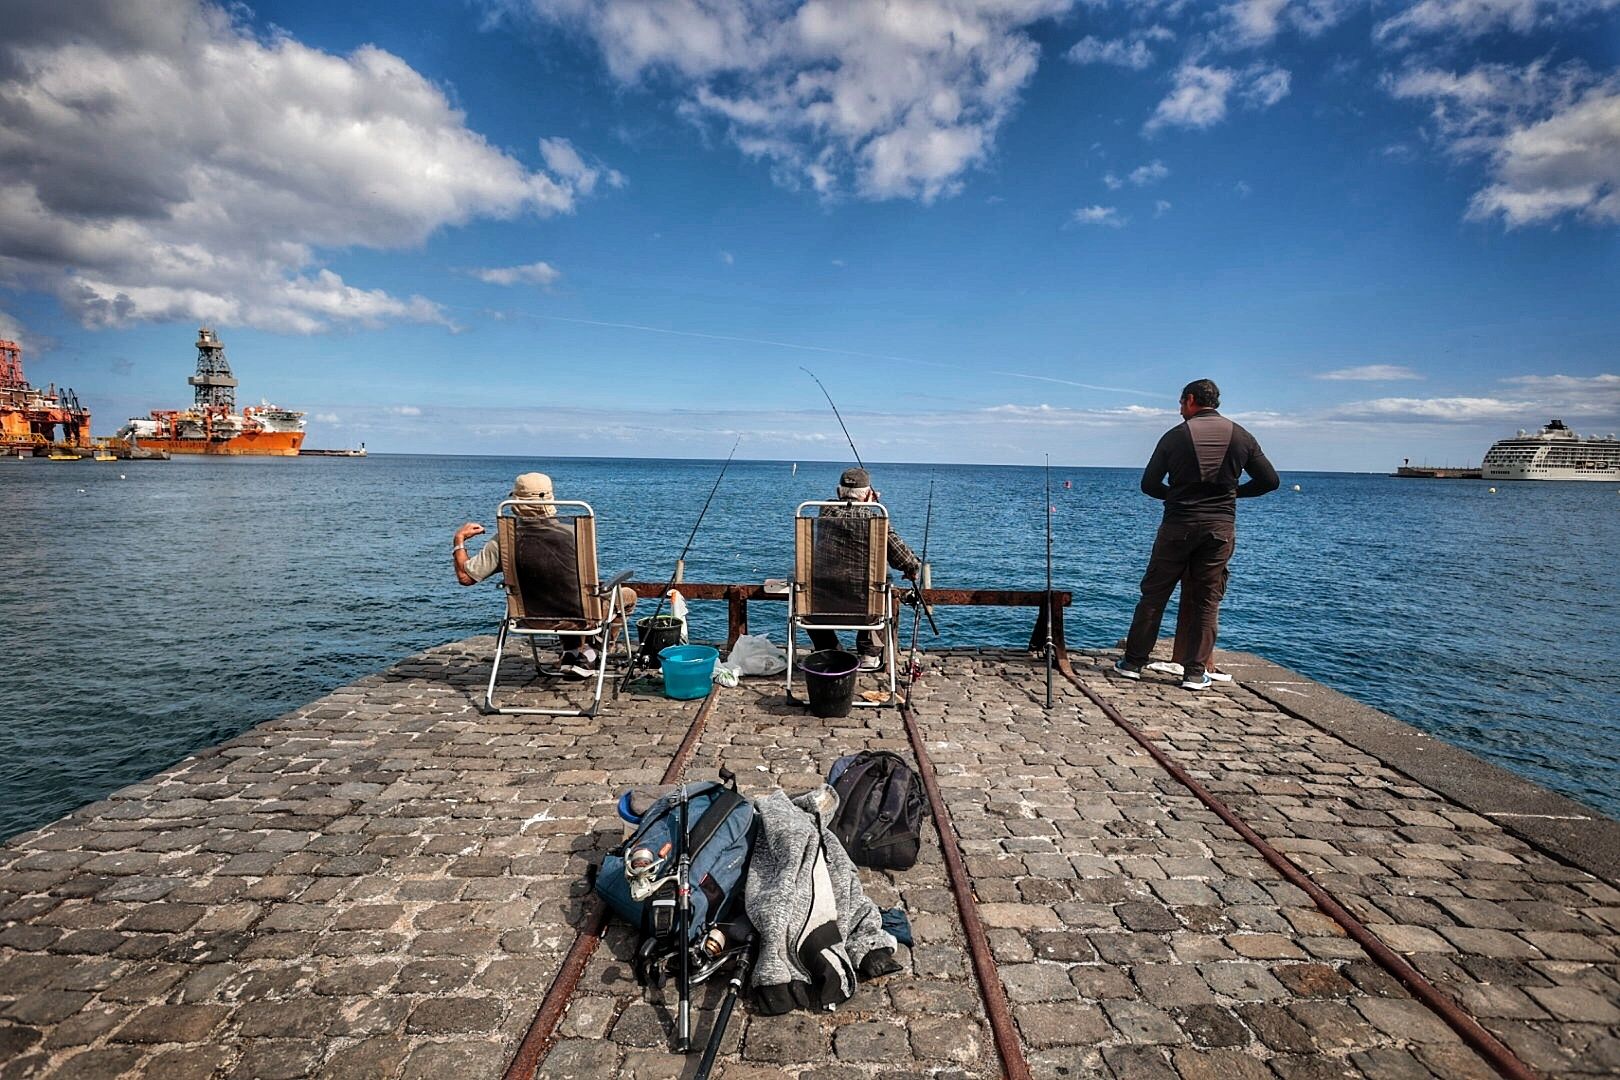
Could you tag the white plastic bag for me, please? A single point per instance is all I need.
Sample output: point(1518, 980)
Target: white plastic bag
point(755, 655)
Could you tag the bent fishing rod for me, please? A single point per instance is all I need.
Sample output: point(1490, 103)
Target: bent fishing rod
point(663, 593)
point(836, 414)
point(926, 610)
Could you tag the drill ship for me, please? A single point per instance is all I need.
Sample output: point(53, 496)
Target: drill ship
point(212, 425)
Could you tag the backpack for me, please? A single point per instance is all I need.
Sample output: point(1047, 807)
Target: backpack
point(721, 824)
point(880, 809)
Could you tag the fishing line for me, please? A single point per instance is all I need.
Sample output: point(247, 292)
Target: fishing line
point(828, 396)
point(1048, 506)
point(679, 559)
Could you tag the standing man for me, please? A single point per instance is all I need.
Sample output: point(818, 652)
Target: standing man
point(1204, 457)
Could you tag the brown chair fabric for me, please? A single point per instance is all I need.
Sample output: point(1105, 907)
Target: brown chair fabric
point(842, 566)
point(549, 567)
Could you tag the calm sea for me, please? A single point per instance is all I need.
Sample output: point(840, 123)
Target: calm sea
point(151, 609)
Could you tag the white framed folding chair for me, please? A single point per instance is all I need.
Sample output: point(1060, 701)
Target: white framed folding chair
point(548, 564)
point(841, 579)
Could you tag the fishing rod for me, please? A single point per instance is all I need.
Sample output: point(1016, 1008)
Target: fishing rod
point(1049, 649)
point(683, 892)
point(836, 413)
point(679, 559)
point(912, 672)
point(862, 464)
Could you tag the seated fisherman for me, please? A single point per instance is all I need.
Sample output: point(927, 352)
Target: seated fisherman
point(470, 571)
point(854, 488)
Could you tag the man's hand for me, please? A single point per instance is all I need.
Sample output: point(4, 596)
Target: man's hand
point(471, 529)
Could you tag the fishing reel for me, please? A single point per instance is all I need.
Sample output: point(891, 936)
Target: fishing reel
point(658, 959)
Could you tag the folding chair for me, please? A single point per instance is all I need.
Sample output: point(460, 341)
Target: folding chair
point(841, 580)
point(548, 564)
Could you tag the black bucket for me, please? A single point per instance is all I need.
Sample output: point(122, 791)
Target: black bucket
point(829, 681)
point(657, 632)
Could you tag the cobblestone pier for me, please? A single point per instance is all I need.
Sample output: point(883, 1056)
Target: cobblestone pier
point(382, 884)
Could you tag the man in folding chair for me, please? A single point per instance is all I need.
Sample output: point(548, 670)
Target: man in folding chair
point(548, 565)
point(855, 496)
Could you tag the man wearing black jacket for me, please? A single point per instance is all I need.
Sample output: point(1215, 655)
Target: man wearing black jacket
point(1205, 456)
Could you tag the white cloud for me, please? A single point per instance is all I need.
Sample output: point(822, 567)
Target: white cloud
point(326, 418)
point(1121, 52)
point(535, 273)
point(1534, 398)
point(1567, 163)
point(1475, 18)
point(12, 330)
point(890, 100)
point(728, 258)
point(1099, 215)
point(406, 410)
point(1550, 137)
point(1151, 173)
point(1198, 98)
point(161, 162)
point(1449, 409)
point(1370, 373)
point(1257, 22)
point(1161, 207)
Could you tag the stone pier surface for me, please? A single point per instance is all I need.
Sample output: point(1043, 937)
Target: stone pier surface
point(383, 884)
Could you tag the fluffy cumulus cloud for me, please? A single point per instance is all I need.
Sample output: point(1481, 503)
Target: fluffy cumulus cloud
point(159, 161)
point(1370, 373)
point(1200, 94)
point(888, 100)
point(535, 273)
point(1549, 136)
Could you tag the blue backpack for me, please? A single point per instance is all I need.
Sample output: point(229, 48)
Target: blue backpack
point(721, 824)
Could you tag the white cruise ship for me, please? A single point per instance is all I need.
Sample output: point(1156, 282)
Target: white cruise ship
point(1553, 453)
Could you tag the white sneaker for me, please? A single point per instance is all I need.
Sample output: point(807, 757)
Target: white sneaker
point(870, 663)
point(1167, 667)
point(1218, 676)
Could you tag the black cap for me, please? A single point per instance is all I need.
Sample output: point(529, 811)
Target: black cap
point(854, 478)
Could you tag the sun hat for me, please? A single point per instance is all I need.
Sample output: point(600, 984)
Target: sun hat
point(855, 478)
point(534, 485)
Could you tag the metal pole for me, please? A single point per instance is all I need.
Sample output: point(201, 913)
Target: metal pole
point(1049, 649)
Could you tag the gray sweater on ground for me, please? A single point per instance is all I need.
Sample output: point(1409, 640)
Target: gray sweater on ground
point(817, 930)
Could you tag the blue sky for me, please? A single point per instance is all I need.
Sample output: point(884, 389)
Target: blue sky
point(995, 229)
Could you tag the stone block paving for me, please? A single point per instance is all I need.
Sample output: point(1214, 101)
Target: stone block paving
point(379, 884)
point(1528, 945)
point(927, 1020)
point(382, 884)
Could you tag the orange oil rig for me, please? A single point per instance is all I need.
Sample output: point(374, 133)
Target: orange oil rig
point(29, 417)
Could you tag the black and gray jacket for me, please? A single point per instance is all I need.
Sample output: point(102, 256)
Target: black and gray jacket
point(817, 932)
point(1205, 456)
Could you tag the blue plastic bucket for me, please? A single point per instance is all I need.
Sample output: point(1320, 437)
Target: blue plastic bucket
point(688, 670)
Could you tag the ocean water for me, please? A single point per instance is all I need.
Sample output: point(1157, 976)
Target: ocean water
point(151, 609)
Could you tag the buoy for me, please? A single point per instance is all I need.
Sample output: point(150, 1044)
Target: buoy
point(1296, 487)
point(120, 476)
point(1493, 491)
point(1068, 485)
point(81, 491)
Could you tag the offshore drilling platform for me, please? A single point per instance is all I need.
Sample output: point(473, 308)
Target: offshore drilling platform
point(29, 417)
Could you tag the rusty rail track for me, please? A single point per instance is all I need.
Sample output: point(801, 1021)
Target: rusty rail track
point(542, 1033)
point(996, 1008)
point(1494, 1052)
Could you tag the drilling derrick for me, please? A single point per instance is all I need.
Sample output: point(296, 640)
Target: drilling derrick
point(29, 417)
point(216, 386)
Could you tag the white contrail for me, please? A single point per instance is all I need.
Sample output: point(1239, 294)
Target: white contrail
point(836, 352)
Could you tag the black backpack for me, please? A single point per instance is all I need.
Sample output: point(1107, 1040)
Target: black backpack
point(880, 809)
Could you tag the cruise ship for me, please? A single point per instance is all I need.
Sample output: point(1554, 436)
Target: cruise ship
point(1553, 453)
